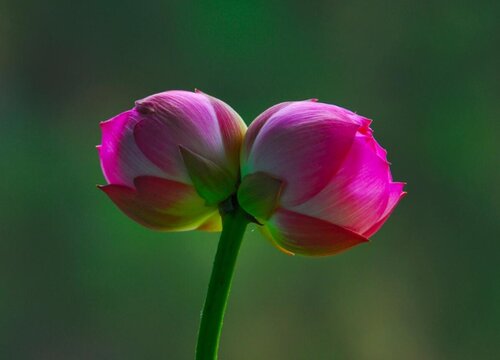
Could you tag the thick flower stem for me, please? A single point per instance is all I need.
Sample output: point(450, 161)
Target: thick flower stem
point(234, 224)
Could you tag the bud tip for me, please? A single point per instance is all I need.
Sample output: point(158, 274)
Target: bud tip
point(144, 107)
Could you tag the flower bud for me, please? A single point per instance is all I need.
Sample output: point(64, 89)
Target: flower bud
point(172, 159)
point(315, 177)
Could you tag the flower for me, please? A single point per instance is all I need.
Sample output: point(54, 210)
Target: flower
point(172, 159)
point(315, 177)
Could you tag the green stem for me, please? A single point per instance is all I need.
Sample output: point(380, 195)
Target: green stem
point(234, 224)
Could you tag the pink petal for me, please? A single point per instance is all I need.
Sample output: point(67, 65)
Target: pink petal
point(121, 159)
point(160, 204)
point(300, 234)
point(255, 127)
point(232, 129)
point(170, 196)
point(379, 150)
point(396, 193)
point(357, 195)
point(304, 145)
point(175, 118)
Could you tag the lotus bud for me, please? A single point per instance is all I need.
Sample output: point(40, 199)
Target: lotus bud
point(315, 178)
point(172, 159)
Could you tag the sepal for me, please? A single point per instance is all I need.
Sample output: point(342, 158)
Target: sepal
point(259, 195)
point(213, 183)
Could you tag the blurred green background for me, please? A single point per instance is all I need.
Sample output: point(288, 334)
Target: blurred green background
point(79, 280)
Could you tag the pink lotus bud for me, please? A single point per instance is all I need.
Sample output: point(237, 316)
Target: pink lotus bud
point(315, 177)
point(172, 159)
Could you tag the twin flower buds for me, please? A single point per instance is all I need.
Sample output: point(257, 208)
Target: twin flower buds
point(311, 173)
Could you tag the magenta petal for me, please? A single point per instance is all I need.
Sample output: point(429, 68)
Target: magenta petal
point(300, 234)
point(379, 150)
point(121, 159)
point(232, 129)
point(160, 204)
point(303, 145)
point(170, 196)
point(126, 199)
point(396, 193)
point(255, 127)
point(357, 195)
point(157, 143)
point(178, 118)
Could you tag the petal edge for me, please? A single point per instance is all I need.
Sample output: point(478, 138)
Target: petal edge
point(300, 234)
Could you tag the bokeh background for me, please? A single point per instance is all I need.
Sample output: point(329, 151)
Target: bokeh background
point(79, 280)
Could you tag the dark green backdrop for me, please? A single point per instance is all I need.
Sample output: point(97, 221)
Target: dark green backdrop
point(79, 280)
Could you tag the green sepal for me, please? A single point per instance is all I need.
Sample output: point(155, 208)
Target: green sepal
point(213, 183)
point(259, 194)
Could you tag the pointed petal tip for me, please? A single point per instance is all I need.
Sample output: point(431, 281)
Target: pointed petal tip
point(107, 123)
point(364, 240)
point(144, 107)
point(108, 187)
point(367, 122)
point(184, 150)
point(401, 185)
